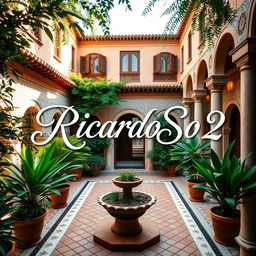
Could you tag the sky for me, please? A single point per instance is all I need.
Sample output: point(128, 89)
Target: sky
point(132, 22)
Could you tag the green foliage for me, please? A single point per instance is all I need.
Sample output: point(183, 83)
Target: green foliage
point(113, 196)
point(76, 157)
point(95, 161)
point(160, 153)
point(91, 95)
point(97, 144)
point(6, 223)
point(187, 151)
point(127, 176)
point(227, 180)
point(32, 184)
point(208, 17)
point(18, 20)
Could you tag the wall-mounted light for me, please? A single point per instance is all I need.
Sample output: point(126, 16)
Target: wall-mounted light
point(230, 85)
point(207, 98)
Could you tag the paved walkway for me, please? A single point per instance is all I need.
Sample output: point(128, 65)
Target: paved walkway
point(185, 227)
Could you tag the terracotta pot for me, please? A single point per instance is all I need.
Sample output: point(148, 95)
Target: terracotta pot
point(60, 201)
point(29, 231)
point(225, 228)
point(127, 186)
point(171, 170)
point(11, 249)
point(78, 173)
point(195, 194)
point(95, 170)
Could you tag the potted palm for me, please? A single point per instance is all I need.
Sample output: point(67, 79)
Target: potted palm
point(95, 163)
point(228, 181)
point(32, 184)
point(185, 152)
point(78, 158)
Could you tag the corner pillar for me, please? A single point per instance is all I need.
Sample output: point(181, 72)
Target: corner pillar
point(244, 55)
point(187, 102)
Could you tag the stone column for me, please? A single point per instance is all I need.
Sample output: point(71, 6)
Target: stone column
point(215, 84)
point(186, 102)
point(197, 96)
point(110, 156)
point(244, 56)
point(149, 144)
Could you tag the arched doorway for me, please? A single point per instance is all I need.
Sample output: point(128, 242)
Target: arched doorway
point(232, 129)
point(56, 117)
point(129, 152)
point(29, 125)
point(234, 124)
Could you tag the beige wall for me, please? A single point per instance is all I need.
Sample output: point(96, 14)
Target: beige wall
point(148, 49)
point(46, 52)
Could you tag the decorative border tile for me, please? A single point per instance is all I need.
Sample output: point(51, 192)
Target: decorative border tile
point(203, 240)
point(60, 222)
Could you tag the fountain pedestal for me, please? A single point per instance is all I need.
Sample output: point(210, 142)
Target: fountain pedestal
point(104, 236)
point(126, 232)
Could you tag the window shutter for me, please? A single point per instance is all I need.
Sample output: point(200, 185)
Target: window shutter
point(156, 64)
point(85, 64)
point(174, 63)
point(102, 64)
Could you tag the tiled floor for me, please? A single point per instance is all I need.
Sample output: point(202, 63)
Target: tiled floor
point(177, 237)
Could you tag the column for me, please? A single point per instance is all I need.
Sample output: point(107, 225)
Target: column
point(110, 156)
point(149, 144)
point(186, 102)
point(215, 84)
point(197, 96)
point(244, 56)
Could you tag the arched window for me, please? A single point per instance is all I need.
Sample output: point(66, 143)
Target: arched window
point(130, 65)
point(165, 67)
point(93, 65)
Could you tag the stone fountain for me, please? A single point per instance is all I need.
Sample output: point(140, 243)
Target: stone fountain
point(126, 232)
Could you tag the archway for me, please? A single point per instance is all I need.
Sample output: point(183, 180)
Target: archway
point(223, 61)
point(29, 125)
point(202, 75)
point(56, 117)
point(189, 87)
point(232, 126)
point(129, 152)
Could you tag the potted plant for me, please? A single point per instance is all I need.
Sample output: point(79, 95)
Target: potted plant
point(160, 153)
point(185, 152)
point(228, 181)
point(78, 159)
point(6, 222)
point(95, 163)
point(76, 156)
point(32, 184)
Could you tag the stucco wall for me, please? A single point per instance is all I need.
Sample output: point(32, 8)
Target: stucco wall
point(111, 49)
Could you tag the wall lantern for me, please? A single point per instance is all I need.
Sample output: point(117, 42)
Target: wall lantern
point(207, 98)
point(230, 85)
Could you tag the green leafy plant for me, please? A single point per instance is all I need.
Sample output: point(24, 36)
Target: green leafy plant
point(76, 157)
point(160, 153)
point(6, 219)
point(33, 183)
point(96, 161)
point(187, 151)
point(208, 17)
point(127, 176)
point(113, 196)
point(97, 144)
point(91, 95)
point(228, 180)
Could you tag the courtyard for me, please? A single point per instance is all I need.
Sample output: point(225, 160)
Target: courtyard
point(185, 226)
